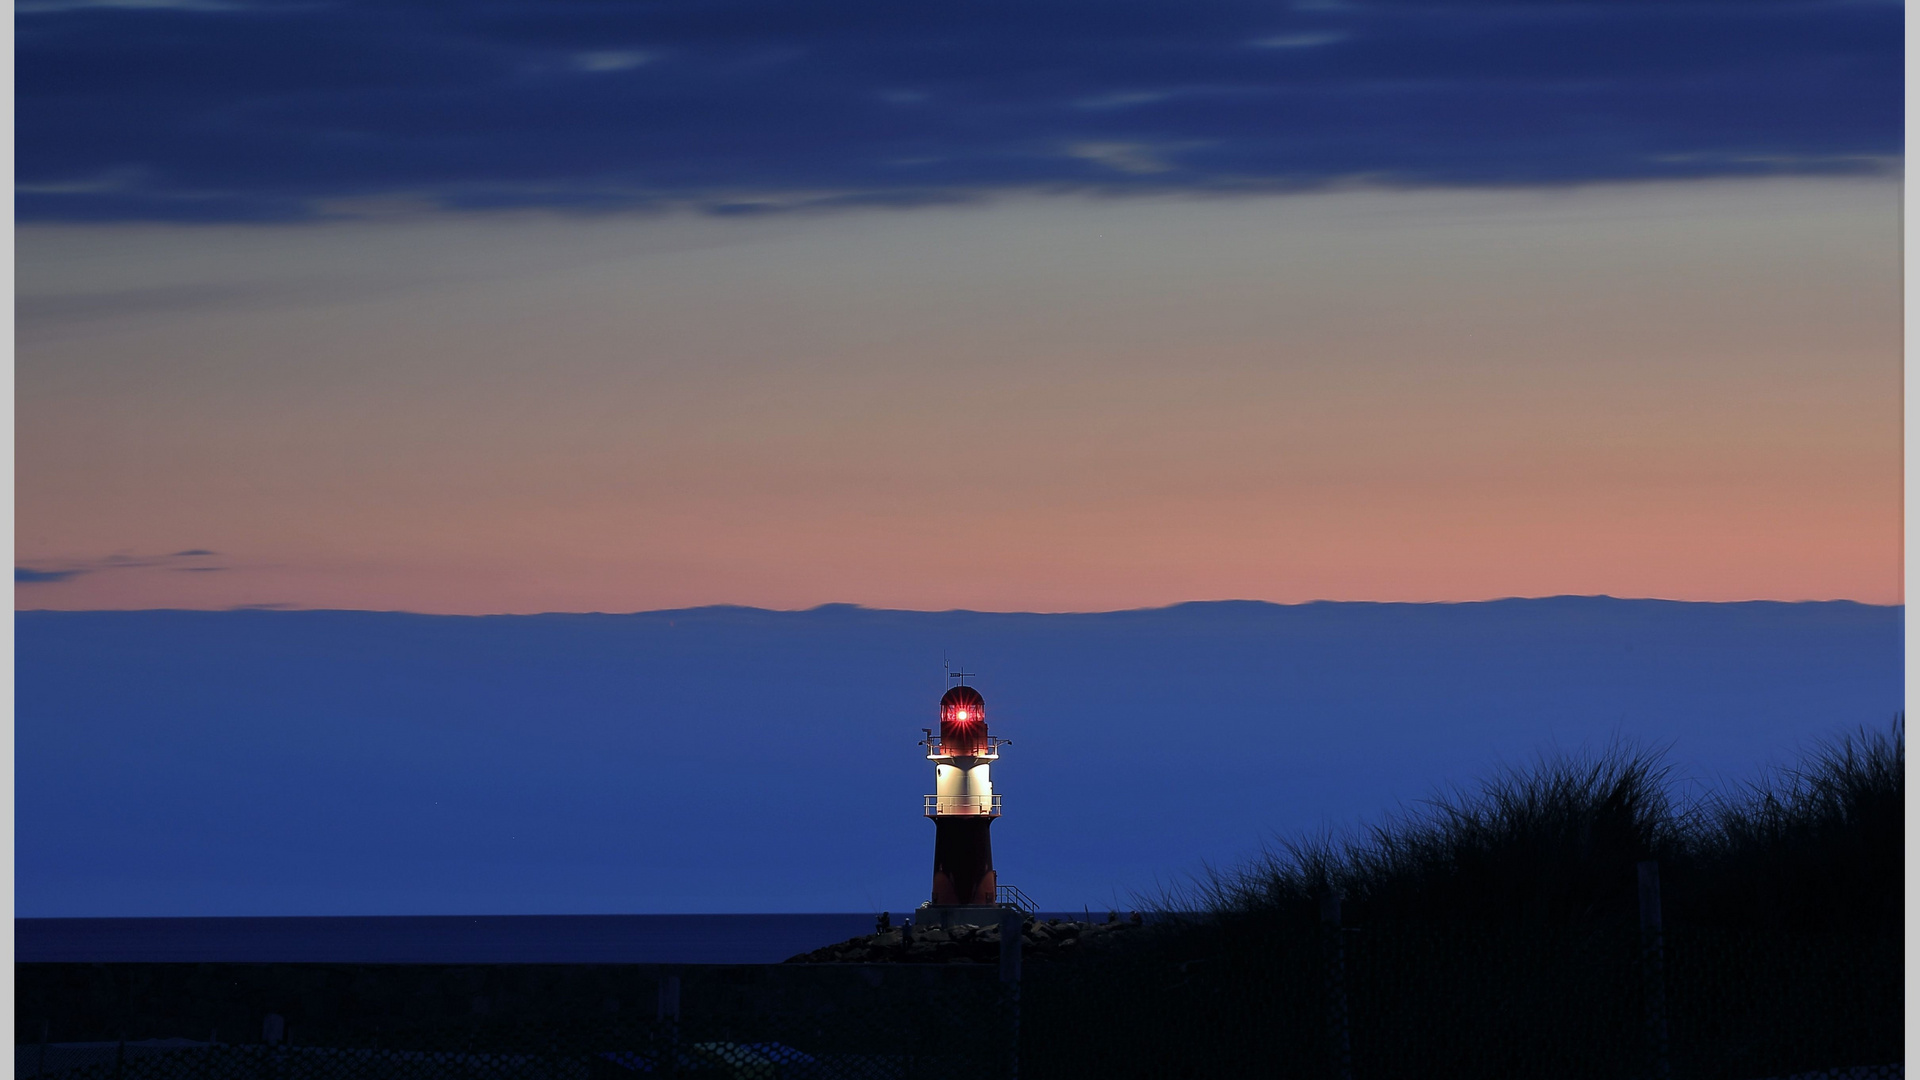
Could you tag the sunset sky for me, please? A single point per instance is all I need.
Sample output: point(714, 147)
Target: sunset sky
point(519, 307)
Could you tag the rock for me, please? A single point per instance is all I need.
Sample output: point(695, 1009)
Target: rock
point(1044, 941)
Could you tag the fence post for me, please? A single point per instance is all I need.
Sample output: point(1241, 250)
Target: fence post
point(1653, 967)
point(1012, 929)
point(669, 1016)
point(1339, 1042)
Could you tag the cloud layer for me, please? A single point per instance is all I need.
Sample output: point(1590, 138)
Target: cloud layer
point(191, 561)
point(245, 111)
point(335, 762)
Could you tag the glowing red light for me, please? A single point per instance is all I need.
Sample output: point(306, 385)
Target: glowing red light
point(961, 715)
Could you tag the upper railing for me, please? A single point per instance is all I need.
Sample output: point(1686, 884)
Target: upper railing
point(962, 805)
point(989, 752)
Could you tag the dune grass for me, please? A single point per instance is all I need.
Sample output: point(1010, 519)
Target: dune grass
point(1815, 845)
point(1494, 931)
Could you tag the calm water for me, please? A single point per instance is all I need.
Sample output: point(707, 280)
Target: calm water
point(444, 939)
point(437, 939)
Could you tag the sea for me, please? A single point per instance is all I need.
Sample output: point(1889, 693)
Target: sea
point(442, 939)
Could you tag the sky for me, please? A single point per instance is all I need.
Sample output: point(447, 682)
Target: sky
point(517, 307)
point(849, 314)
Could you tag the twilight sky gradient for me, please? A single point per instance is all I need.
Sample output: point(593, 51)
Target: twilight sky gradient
point(517, 308)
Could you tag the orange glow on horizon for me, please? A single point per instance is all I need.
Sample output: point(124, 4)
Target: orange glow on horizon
point(1688, 391)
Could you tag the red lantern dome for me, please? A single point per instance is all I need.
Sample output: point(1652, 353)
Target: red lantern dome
point(963, 721)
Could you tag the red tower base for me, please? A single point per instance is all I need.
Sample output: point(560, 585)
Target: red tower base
point(963, 862)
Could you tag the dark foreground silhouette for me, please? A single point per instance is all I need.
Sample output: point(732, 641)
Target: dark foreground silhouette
point(1511, 931)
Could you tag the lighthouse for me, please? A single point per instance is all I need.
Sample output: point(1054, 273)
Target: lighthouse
point(962, 807)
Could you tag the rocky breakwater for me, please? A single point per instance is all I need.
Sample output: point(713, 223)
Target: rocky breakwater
point(1040, 940)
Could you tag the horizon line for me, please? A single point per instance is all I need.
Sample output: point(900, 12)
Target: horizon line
point(856, 607)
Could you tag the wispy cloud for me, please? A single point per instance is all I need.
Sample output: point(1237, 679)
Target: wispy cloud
point(1301, 41)
point(127, 109)
point(1133, 158)
point(108, 181)
point(47, 7)
point(1123, 99)
point(51, 572)
point(599, 61)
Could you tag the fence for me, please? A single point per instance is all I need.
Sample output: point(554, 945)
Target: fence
point(1433, 1003)
point(1263, 998)
point(964, 1045)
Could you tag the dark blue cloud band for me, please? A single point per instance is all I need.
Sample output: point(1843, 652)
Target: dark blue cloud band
point(228, 110)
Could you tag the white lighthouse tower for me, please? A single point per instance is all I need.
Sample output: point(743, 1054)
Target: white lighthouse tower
point(963, 808)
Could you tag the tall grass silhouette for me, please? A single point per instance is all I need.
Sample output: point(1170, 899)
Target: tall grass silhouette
point(1495, 930)
point(1818, 844)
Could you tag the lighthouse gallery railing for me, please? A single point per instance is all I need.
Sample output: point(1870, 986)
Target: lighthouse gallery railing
point(962, 805)
point(987, 749)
